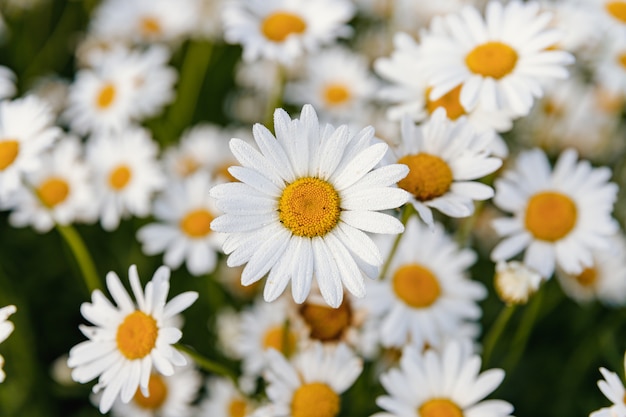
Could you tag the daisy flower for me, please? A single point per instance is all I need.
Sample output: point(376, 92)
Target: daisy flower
point(312, 384)
point(426, 293)
point(59, 191)
point(559, 216)
point(129, 338)
point(302, 206)
point(282, 30)
point(25, 132)
point(429, 384)
point(610, 67)
point(500, 60)
point(6, 328)
point(224, 399)
point(443, 157)
point(126, 173)
point(184, 213)
point(613, 388)
point(515, 283)
point(613, 14)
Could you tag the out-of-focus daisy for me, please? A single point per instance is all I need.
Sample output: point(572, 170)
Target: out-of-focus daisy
point(500, 60)
point(224, 399)
point(303, 204)
point(7, 83)
point(515, 282)
point(337, 83)
point(613, 388)
point(183, 233)
point(128, 339)
point(613, 14)
point(610, 67)
point(6, 328)
point(560, 215)
point(209, 19)
point(53, 90)
point(25, 132)
point(430, 384)
point(604, 281)
point(282, 30)
point(443, 158)
point(126, 173)
point(169, 396)
point(312, 384)
point(58, 192)
point(426, 294)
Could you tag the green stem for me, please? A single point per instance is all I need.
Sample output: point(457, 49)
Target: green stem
point(495, 332)
point(207, 364)
point(275, 98)
point(406, 214)
point(520, 340)
point(82, 256)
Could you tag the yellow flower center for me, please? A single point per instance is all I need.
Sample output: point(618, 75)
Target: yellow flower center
point(137, 335)
point(440, 407)
point(588, 277)
point(449, 101)
point(617, 9)
point(492, 59)
point(119, 177)
point(187, 166)
point(157, 396)
point(621, 59)
point(278, 26)
point(416, 285)
point(197, 223)
point(429, 176)
point(150, 26)
point(8, 152)
point(106, 96)
point(327, 323)
point(315, 400)
point(237, 408)
point(309, 207)
point(336, 94)
point(53, 191)
point(550, 216)
point(281, 339)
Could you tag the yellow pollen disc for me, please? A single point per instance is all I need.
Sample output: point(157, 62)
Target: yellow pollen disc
point(276, 338)
point(550, 216)
point(327, 323)
point(336, 94)
point(137, 335)
point(617, 9)
point(440, 407)
point(416, 285)
point(119, 177)
point(315, 400)
point(492, 59)
point(278, 26)
point(8, 152)
point(53, 191)
point(449, 101)
point(157, 396)
point(588, 277)
point(309, 207)
point(187, 166)
point(106, 96)
point(237, 408)
point(429, 176)
point(197, 223)
point(150, 26)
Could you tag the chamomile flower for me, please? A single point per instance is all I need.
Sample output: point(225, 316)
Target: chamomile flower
point(25, 132)
point(443, 158)
point(500, 60)
point(302, 206)
point(312, 384)
point(611, 66)
point(559, 215)
point(129, 338)
point(224, 400)
point(184, 213)
point(613, 388)
point(429, 384)
point(515, 283)
point(126, 174)
point(426, 293)
point(59, 192)
point(613, 14)
point(6, 328)
point(282, 30)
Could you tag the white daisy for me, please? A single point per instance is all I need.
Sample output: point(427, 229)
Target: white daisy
point(560, 215)
point(302, 206)
point(6, 328)
point(426, 293)
point(515, 283)
point(224, 400)
point(613, 388)
point(59, 192)
point(430, 384)
point(184, 213)
point(128, 339)
point(500, 60)
point(613, 14)
point(282, 30)
point(25, 132)
point(312, 384)
point(126, 173)
point(443, 157)
point(610, 67)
